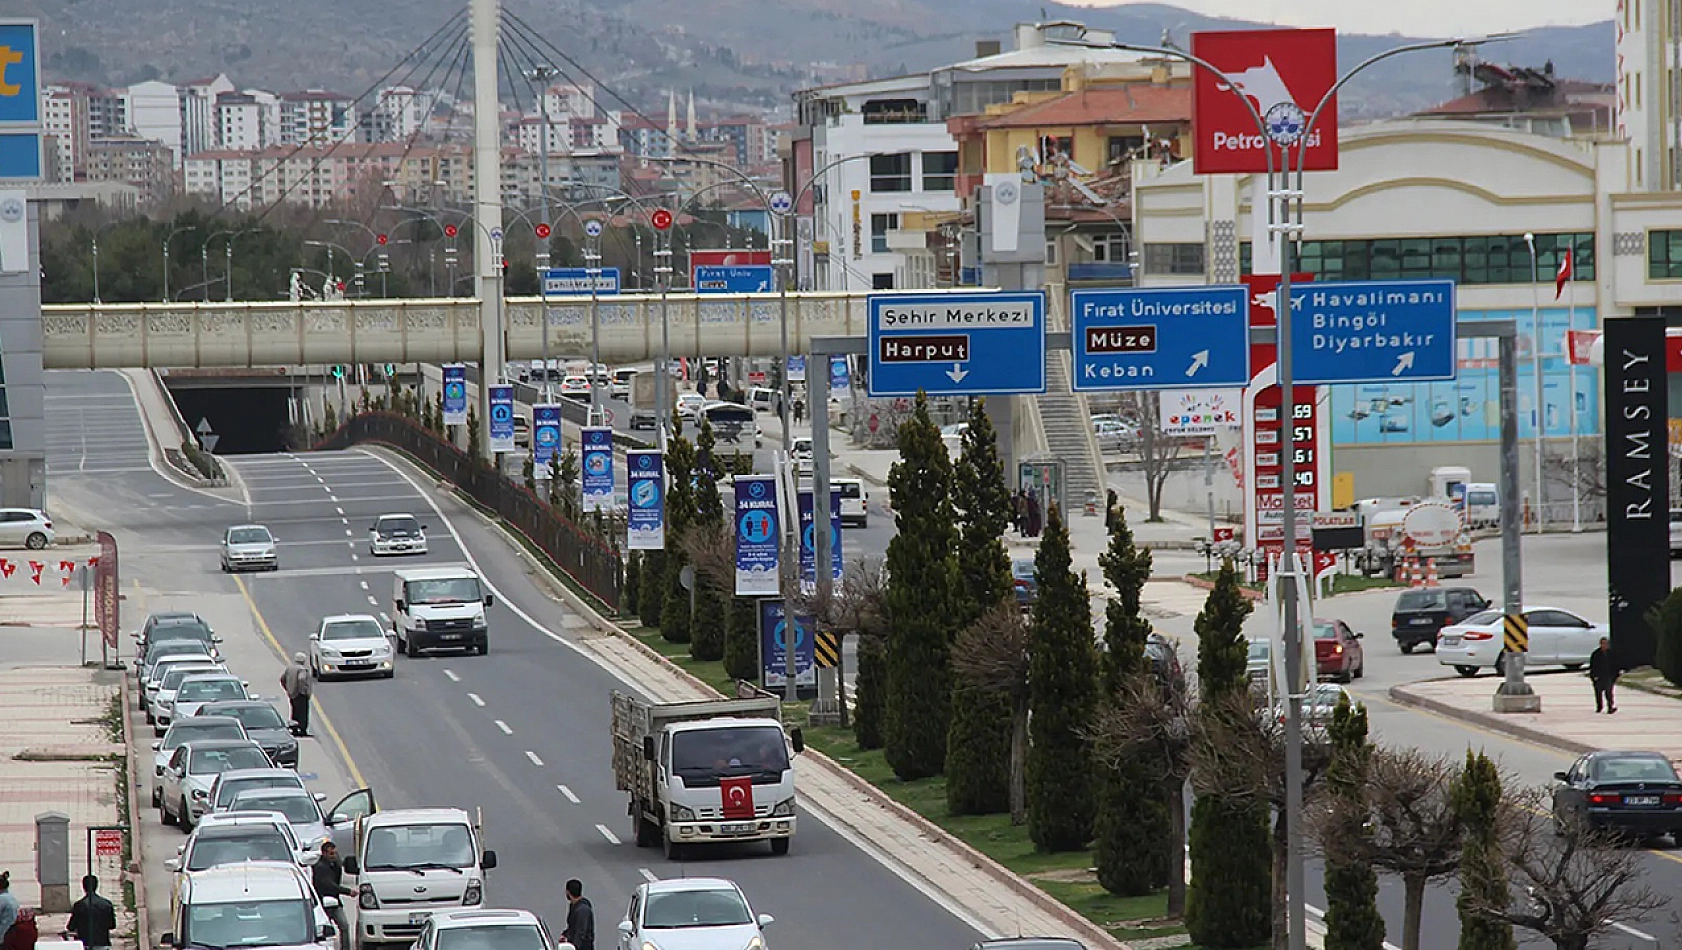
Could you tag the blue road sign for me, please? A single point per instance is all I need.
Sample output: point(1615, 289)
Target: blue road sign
point(455, 394)
point(565, 281)
point(773, 647)
point(20, 73)
point(1178, 337)
point(597, 462)
point(957, 344)
point(742, 279)
point(757, 536)
point(502, 418)
point(645, 524)
point(20, 155)
point(1373, 331)
point(809, 541)
point(545, 435)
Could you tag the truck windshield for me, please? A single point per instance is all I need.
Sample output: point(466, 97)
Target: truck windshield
point(702, 756)
point(448, 590)
point(250, 924)
point(420, 846)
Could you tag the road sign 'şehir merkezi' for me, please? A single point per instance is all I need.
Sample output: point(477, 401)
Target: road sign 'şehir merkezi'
point(1375, 331)
point(1179, 337)
point(957, 344)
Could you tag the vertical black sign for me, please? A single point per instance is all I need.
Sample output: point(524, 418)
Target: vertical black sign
point(1637, 482)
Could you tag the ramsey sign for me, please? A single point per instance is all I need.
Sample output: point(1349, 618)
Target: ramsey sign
point(1283, 74)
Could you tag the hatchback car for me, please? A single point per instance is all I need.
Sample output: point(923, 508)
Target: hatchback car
point(301, 809)
point(1557, 638)
point(484, 929)
point(196, 729)
point(162, 710)
point(255, 904)
point(263, 725)
point(1337, 651)
point(396, 534)
point(1023, 582)
point(230, 784)
point(30, 527)
point(575, 386)
point(1637, 793)
point(351, 645)
point(202, 688)
point(194, 767)
point(1420, 614)
point(691, 914)
point(249, 547)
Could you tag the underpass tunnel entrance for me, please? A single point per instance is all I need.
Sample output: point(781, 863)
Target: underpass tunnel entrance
point(241, 420)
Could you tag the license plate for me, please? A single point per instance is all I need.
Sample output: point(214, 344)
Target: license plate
point(418, 918)
point(1641, 800)
point(737, 828)
point(1420, 621)
point(1451, 640)
point(452, 636)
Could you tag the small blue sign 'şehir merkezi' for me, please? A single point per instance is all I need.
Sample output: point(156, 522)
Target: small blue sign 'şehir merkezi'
point(1378, 331)
point(957, 344)
point(1177, 337)
point(564, 281)
point(740, 279)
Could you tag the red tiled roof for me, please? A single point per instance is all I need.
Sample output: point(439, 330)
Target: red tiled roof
point(1129, 104)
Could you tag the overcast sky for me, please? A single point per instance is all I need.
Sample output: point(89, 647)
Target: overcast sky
point(1414, 18)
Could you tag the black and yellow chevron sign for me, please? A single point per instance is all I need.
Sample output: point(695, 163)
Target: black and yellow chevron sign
point(1517, 637)
point(828, 647)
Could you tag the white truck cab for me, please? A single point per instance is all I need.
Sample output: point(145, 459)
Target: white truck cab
point(411, 863)
point(439, 608)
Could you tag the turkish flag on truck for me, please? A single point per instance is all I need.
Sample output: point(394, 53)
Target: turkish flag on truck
point(737, 794)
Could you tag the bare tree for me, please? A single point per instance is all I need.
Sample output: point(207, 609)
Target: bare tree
point(855, 607)
point(1570, 883)
point(993, 655)
point(1239, 756)
point(1157, 451)
point(713, 553)
point(1406, 825)
point(1155, 717)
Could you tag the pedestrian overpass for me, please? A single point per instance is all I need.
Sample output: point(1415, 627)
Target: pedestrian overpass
point(437, 330)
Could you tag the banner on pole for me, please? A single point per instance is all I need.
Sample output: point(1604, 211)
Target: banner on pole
point(597, 460)
point(757, 536)
point(107, 593)
point(455, 394)
point(545, 436)
point(809, 540)
point(646, 492)
point(774, 635)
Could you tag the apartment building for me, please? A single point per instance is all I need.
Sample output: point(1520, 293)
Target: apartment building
point(129, 159)
point(316, 117)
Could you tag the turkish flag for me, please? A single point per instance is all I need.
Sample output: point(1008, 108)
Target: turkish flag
point(737, 794)
point(1566, 272)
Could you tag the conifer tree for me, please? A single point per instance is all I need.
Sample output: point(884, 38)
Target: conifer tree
point(1063, 682)
point(707, 631)
point(1352, 918)
point(680, 516)
point(1483, 875)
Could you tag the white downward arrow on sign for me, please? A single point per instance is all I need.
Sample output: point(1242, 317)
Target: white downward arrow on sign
point(957, 373)
point(1405, 362)
point(1199, 360)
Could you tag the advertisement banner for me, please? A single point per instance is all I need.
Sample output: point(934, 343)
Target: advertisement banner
point(809, 540)
point(840, 375)
point(645, 484)
point(1637, 483)
point(502, 418)
point(107, 600)
point(757, 535)
point(1200, 412)
point(596, 458)
point(797, 369)
point(545, 435)
point(1283, 74)
point(773, 656)
point(455, 394)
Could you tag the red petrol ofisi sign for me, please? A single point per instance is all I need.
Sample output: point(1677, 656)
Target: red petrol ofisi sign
point(1283, 74)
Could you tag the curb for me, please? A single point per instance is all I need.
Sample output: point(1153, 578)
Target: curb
point(1504, 724)
point(1202, 584)
point(135, 871)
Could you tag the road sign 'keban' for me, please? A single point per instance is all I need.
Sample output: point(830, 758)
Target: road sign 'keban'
point(1186, 337)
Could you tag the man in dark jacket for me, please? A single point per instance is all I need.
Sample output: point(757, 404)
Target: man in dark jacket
point(92, 918)
point(328, 877)
point(581, 918)
point(1603, 673)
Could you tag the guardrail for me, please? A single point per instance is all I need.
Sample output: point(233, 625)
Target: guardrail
point(586, 559)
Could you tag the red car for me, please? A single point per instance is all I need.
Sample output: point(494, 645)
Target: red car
point(1337, 651)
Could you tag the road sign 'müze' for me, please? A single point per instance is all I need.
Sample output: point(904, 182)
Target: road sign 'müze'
point(1151, 338)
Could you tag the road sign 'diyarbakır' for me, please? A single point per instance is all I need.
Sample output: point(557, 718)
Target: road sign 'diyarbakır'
point(1182, 337)
point(1378, 331)
point(957, 344)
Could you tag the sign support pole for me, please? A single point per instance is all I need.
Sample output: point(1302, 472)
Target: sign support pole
point(1514, 695)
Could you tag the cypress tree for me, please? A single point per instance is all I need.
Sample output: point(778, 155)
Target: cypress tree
point(1230, 901)
point(1063, 684)
point(651, 589)
point(1132, 823)
point(921, 597)
point(1483, 877)
point(680, 517)
point(1352, 918)
point(978, 740)
point(633, 578)
point(870, 699)
point(707, 627)
point(741, 639)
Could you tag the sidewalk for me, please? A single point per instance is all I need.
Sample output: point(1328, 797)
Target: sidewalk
point(1567, 721)
point(58, 757)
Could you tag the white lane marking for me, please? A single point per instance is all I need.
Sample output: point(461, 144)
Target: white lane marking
point(345, 521)
point(568, 793)
point(452, 676)
point(534, 759)
point(354, 556)
point(476, 700)
point(372, 602)
point(610, 836)
point(364, 584)
point(504, 727)
point(342, 517)
point(1635, 933)
point(384, 619)
point(648, 875)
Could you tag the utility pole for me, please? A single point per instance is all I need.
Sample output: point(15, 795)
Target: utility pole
point(487, 200)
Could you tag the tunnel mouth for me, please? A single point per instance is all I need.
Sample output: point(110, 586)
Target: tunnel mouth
point(240, 419)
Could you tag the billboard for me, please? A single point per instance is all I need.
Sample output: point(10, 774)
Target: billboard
point(1637, 483)
point(1283, 74)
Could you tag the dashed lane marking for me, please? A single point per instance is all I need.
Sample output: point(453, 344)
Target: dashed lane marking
point(477, 700)
point(568, 793)
point(534, 759)
point(451, 674)
point(609, 835)
point(504, 727)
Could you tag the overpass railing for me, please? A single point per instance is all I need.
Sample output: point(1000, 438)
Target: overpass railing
point(586, 559)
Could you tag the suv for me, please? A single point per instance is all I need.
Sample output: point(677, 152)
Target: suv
point(1422, 613)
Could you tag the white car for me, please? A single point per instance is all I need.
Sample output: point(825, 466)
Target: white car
point(301, 809)
point(254, 904)
point(689, 404)
point(486, 928)
point(699, 913)
point(575, 386)
point(396, 534)
point(196, 729)
point(1557, 638)
point(29, 527)
point(249, 547)
point(214, 843)
point(801, 451)
point(351, 644)
point(231, 784)
point(191, 770)
point(162, 709)
point(175, 651)
point(199, 689)
point(952, 436)
point(623, 379)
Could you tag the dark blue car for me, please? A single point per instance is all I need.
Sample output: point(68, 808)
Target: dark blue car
point(1022, 579)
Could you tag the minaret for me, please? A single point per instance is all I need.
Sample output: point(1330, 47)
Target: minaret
point(671, 113)
point(691, 115)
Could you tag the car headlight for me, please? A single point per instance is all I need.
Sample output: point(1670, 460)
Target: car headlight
point(474, 894)
point(479, 623)
point(784, 809)
point(365, 898)
point(199, 794)
point(757, 943)
point(649, 946)
point(682, 813)
point(287, 745)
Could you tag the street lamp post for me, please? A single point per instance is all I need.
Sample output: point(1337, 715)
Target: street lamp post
point(167, 238)
point(228, 261)
point(96, 298)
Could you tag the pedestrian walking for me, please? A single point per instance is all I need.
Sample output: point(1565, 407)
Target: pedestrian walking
point(1020, 505)
point(298, 684)
point(1110, 500)
point(328, 877)
point(92, 918)
point(581, 918)
point(1035, 515)
point(799, 411)
point(17, 924)
point(1603, 673)
point(8, 905)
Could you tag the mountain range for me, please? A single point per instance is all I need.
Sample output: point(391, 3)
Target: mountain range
point(732, 54)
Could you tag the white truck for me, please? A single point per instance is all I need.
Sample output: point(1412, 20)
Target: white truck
point(407, 865)
point(705, 772)
point(439, 608)
point(1392, 538)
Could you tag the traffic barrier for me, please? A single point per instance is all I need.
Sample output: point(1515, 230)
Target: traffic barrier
point(1431, 572)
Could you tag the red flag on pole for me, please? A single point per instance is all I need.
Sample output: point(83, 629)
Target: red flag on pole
point(1565, 273)
point(737, 794)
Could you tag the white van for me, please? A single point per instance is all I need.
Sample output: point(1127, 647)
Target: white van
point(439, 608)
point(230, 904)
point(855, 501)
point(763, 399)
point(408, 864)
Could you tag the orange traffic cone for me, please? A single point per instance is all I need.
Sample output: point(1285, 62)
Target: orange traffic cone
point(1430, 573)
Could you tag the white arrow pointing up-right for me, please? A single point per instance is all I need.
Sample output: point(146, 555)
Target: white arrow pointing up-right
point(1404, 362)
point(1199, 360)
